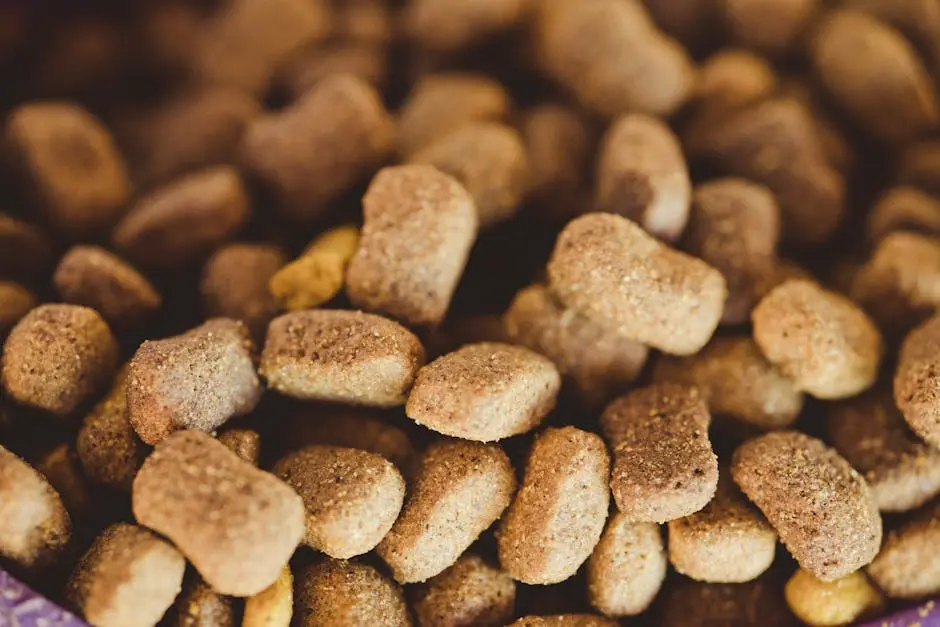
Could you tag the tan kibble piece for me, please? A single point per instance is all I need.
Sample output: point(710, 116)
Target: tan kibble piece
point(184, 220)
point(440, 103)
point(773, 27)
point(834, 603)
point(611, 271)
point(342, 356)
point(627, 567)
point(875, 74)
point(565, 620)
point(728, 541)
point(459, 491)
point(308, 154)
point(365, 60)
point(664, 466)
point(216, 363)
point(57, 356)
point(25, 250)
point(904, 208)
point(737, 382)
point(484, 392)
point(15, 302)
point(919, 20)
point(200, 606)
point(34, 525)
point(598, 364)
point(449, 26)
point(61, 468)
point(907, 566)
point(821, 340)
point(352, 497)
point(245, 443)
point(93, 277)
point(419, 226)
point(255, 521)
point(273, 606)
point(919, 166)
point(317, 276)
point(779, 272)
point(71, 163)
point(916, 381)
point(823, 510)
point(235, 285)
point(128, 578)
point(642, 175)
point(490, 161)
point(558, 515)
point(471, 592)
point(342, 593)
point(731, 78)
point(609, 54)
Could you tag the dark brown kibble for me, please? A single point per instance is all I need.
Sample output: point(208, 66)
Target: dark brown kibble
point(904, 208)
point(471, 592)
point(772, 27)
point(344, 593)
point(25, 250)
point(565, 620)
point(200, 606)
point(61, 468)
point(243, 442)
point(15, 302)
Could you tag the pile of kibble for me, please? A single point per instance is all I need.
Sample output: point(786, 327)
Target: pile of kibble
point(471, 312)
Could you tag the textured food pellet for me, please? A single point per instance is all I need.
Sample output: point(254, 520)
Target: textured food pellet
point(243, 442)
point(15, 302)
point(340, 593)
point(419, 225)
point(834, 603)
point(216, 361)
point(128, 578)
point(821, 340)
point(273, 606)
point(342, 356)
point(61, 468)
point(565, 620)
point(907, 566)
point(484, 392)
point(93, 277)
point(664, 466)
point(642, 175)
point(823, 510)
point(915, 380)
point(471, 592)
point(904, 208)
point(25, 250)
point(200, 606)
point(609, 270)
point(460, 490)
point(317, 276)
point(57, 356)
point(448, 26)
point(557, 517)
point(236, 524)
point(773, 27)
point(627, 567)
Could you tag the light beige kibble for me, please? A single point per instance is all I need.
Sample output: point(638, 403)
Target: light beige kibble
point(627, 568)
point(906, 567)
point(916, 380)
point(833, 603)
point(471, 592)
point(340, 593)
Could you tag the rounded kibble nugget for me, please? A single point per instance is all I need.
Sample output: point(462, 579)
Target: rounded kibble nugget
point(822, 341)
point(256, 520)
point(342, 356)
point(737, 382)
point(128, 578)
point(308, 154)
point(822, 509)
point(758, 603)
point(907, 566)
point(243, 442)
point(664, 466)
point(564, 620)
point(25, 250)
point(273, 606)
point(340, 593)
point(61, 468)
point(93, 277)
point(471, 592)
point(317, 276)
point(915, 380)
point(57, 356)
point(730, 78)
point(609, 270)
point(627, 568)
point(642, 175)
point(459, 491)
point(448, 26)
point(904, 208)
point(484, 392)
point(34, 525)
point(557, 517)
point(419, 225)
point(72, 166)
point(352, 497)
point(15, 302)
point(200, 606)
point(216, 362)
point(840, 602)
point(773, 27)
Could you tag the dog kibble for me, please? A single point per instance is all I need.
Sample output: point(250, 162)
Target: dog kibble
point(558, 515)
point(565, 620)
point(448, 26)
point(915, 381)
point(757, 603)
point(610, 271)
point(61, 468)
point(200, 606)
point(773, 27)
point(832, 603)
point(317, 276)
point(15, 302)
point(342, 593)
point(25, 250)
point(906, 567)
point(471, 592)
point(273, 606)
point(243, 442)
point(366, 61)
point(904, 208)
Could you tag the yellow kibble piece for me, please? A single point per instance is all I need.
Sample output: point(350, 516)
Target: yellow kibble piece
point(273, 606)
point(315, 277)
point(833, 603)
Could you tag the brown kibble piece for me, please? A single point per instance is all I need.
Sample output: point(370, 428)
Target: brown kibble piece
point(449, 26)
point(737, 382)
point(821, 340)
point(875, 74)
point(216, 362)
point(15, 302)
point(609, 270)
point(460, 490)
point(25, 251)
point(341, 356)
point(907, 566)
point(61, 468)
point(352, 497)
point(565, 620)
point(308, 154)
point(57, 356)
point(72, 166)
point(627, 567)
point(758, 603)
point(34, 525)
point(904, 208)
point(243, 442)
point(273, 606)
point(128, 578)
point(256, 520)
point(200, 606)
point(840, 602)
point(731, 78)
point(419, 225)
point(317, 276)
point(664, 466)
point(642, 175)
point(820, 506)
point(471, 592)
point(367, 61)
point(93, 277)
point(915, 380)
point(557, 517)
point(342, 593)
point(484, 392)
point(772, 27)
point(181, 221)
point(778, 273)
